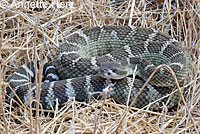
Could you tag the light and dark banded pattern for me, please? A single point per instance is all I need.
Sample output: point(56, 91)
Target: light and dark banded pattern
point(79, 58)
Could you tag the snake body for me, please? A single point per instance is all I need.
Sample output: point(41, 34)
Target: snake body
point(79, 59)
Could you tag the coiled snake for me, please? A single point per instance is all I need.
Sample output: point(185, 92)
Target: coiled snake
point(115, 51)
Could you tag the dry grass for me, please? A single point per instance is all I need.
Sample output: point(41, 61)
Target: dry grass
point(24, 30)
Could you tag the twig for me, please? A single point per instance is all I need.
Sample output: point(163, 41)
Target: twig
point(127, 103)
point(131, 13)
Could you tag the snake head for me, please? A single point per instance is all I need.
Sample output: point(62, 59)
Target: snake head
point(113, 70)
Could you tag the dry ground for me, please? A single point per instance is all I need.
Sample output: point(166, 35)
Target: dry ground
point(25, 29)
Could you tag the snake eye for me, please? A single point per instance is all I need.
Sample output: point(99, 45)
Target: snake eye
point(109, 73)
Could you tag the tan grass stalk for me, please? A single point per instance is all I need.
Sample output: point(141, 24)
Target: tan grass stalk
point(2, 91)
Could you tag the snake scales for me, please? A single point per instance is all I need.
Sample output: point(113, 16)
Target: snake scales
point(80, 57)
